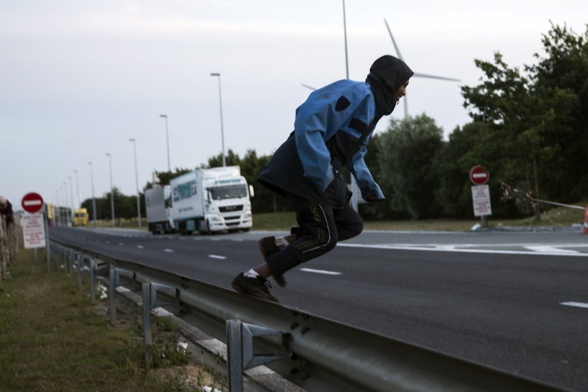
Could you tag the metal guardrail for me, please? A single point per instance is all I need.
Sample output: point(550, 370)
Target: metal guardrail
point(315, 353)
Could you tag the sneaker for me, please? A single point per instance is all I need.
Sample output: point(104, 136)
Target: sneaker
point(257, 287)
point(268, 247)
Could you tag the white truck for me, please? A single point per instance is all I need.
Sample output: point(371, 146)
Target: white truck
point(158, 209)
point(211, 200)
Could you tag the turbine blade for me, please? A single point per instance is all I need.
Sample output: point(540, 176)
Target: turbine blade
point(421, 75)
point(307, 86)
point(393, 41)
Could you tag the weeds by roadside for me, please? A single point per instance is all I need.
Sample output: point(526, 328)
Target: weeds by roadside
point(53, 339)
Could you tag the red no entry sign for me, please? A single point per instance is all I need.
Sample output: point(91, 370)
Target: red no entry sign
point(479, 175)
point(32, 202)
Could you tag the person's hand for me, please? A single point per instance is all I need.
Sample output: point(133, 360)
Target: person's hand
point(371, 197)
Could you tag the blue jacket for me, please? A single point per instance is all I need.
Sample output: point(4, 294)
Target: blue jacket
point(326, 129)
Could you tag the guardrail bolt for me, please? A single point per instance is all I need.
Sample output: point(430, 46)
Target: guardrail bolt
point(305, 330)
point(294, 325)
point(304, 376)
point(294, 371)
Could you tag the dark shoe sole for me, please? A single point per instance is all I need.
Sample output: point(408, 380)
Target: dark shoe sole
point(257, 294)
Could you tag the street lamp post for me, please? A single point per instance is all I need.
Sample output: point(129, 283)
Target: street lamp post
point(79, 203)
point(93, 198)
point(66, 215)
point(137, 183)
point(72, 198)
point(167, 140)
point(111, 190)
point(220, 99)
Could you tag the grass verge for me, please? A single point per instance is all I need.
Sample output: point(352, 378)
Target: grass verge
point(53, 339)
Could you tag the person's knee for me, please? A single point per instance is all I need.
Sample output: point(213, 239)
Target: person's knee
point(331, 243)
point(350, 231)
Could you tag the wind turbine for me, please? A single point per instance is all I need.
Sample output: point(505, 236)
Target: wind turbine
point(416, 74)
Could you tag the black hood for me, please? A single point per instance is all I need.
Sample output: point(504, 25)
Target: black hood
point(387, 75)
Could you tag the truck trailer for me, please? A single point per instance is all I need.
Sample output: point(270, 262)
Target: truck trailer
point(158, 209)
point(211, 200)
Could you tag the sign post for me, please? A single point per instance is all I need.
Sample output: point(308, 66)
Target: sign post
point(479, 176)
point(33, 223)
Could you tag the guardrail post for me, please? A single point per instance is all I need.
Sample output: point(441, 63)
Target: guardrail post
point(80, 263)
point(113, 283)
point(240, 350)
point(92, 282)
point(147, 289)
point(67, 262)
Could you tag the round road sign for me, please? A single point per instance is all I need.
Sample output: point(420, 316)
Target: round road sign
point(479, 175)
point(32, 202)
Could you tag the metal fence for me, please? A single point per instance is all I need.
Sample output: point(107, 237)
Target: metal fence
point(310, 352)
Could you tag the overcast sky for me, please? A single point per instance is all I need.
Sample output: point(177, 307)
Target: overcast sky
point(78, 79)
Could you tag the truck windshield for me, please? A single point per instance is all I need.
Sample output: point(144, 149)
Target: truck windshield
point(228, 192)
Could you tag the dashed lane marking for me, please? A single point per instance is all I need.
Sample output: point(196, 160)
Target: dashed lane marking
point(168, 250)
point(575, 304)
point(217, 257)
point(550, 249)
point(324, 272)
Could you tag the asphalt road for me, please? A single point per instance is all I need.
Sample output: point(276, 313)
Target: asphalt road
point(517, 301)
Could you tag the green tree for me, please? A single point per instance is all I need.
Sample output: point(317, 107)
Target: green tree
point(521, 121)
point(406, 157)
point(231, 159)
point(467, 147)
point(165, 177)
point(563, 73)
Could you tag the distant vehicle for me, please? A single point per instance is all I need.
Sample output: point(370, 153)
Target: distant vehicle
point(158, 209)
point(203, 200)
point(80, 217)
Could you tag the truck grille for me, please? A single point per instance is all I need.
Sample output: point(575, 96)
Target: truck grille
point(231, 208)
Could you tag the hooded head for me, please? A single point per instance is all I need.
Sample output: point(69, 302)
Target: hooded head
point(3, 201)
point(387, 75)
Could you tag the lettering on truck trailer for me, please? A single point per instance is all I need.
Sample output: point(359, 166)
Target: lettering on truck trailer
point(185, 190)
point(221, 182)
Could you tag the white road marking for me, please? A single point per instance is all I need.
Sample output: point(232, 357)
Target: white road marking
point(140, 246)
point(217, 257)
point(324, 272)
point(121, 244)
point(549, 249)
point(575, 304)
point(169, 250)
point(454, 248)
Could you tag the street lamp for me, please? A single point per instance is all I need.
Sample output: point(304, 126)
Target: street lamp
point(93, 198)
point(137, 182)
point(220, 99)
point(66, 215)
point(167, 140)
point(79, 203)
point(111, 190)
point(72, 198)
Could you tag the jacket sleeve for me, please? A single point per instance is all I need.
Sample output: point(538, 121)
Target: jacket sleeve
point(363, 176)
point(325, 112)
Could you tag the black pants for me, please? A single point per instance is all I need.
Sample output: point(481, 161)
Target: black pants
point(321, 227)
